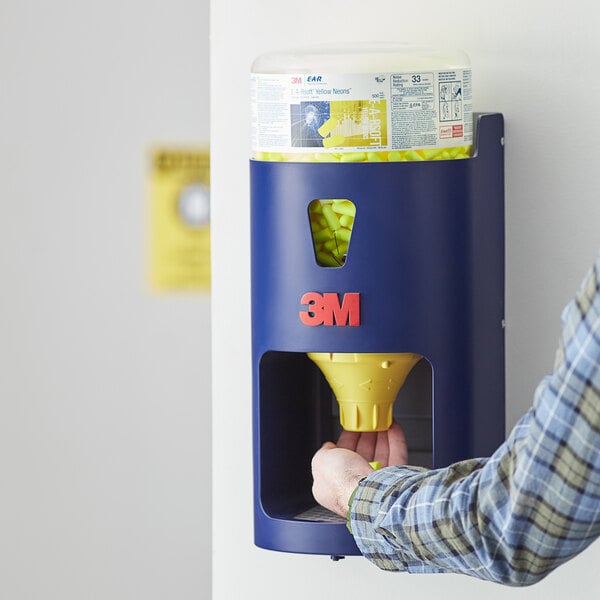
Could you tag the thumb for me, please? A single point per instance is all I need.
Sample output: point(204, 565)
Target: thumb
point(328, 446)
point(319, 455)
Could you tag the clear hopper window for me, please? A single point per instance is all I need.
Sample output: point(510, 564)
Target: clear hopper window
point(331, 222)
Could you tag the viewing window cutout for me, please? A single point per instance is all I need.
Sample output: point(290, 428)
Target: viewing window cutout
point(331, 222)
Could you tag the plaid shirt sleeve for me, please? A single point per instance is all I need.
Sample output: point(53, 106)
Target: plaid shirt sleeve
point(514, 517)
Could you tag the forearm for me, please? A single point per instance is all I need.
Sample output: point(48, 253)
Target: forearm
point(477, 517)
point(516, 516)
point(445, 520)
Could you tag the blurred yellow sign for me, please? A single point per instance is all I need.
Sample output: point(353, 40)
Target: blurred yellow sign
point(180, 220)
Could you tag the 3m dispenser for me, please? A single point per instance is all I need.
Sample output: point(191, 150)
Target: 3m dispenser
point(377, 270)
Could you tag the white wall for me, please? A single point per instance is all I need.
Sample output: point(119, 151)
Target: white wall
point(104, 386)
point(535, 62)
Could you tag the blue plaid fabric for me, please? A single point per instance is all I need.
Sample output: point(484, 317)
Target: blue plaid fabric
point(514, 517)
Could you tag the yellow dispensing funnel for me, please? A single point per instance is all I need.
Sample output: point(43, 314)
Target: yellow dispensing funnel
point(365, 385)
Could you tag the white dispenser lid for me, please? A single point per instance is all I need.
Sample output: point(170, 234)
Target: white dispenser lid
point(361, 58)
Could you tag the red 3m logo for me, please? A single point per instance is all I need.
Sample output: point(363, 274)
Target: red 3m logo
point(326, 309)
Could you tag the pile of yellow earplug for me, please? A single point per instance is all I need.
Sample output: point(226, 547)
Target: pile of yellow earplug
point(331, 223)
point(392, 156)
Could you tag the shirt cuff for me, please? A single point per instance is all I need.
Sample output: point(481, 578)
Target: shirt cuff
point(365, 511)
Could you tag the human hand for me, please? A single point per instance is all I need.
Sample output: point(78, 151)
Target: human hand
point(386, 447)
point(337, 469)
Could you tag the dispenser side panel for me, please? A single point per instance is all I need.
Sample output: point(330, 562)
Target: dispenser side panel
point(488, 288)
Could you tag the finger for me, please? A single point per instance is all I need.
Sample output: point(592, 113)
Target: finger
point(398, 448)
point(348, 439)
point(382, 449)
point(319, 455)
point(323, 449)
point(366, 445)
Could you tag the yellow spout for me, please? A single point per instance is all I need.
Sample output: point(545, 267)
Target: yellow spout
point(365, 385)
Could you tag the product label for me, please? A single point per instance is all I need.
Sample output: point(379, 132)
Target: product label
point(361, 112)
